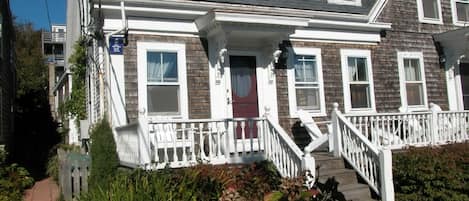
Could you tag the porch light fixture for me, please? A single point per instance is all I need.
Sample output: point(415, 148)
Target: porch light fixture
point(221, 61)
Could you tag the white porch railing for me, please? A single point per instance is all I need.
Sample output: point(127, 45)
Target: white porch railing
point(399, 130)
point(182, 143)
point(128, 144)
point(374, 165)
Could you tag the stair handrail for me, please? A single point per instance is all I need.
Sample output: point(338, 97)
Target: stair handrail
point(282, 151)
point(373, 164)
point(316, 135)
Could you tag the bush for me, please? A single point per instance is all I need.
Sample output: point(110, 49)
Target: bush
point(104, 159)
point(13, 180)
point(432, 173)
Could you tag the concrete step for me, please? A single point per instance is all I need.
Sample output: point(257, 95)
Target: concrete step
point(341, 176)
point(325, 161)
point(355, 191)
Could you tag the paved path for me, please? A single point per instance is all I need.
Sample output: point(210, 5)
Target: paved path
point(44, 190)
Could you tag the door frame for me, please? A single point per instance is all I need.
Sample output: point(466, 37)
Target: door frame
point(261, 77)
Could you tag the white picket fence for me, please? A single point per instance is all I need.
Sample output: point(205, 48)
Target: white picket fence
point(183, 143)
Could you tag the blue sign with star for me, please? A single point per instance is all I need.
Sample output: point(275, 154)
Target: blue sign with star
point(116, 45)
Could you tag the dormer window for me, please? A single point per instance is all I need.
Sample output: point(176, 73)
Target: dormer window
point(460, 12)
point(346, 2)
point(429, 11)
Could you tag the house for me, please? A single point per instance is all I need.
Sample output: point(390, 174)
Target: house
point(183, 81)
point(7, 72)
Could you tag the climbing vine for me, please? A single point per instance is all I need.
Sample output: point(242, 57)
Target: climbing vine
point(76, 105)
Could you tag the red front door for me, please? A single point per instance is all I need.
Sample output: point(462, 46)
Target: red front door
point(244, 91)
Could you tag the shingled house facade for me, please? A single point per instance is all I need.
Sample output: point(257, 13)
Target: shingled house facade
point(186, 62)
point(389, 43)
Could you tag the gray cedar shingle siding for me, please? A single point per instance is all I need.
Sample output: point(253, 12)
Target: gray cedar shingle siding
point(316, 5)
point(197, 74)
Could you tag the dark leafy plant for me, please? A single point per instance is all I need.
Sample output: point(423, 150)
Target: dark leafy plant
point(439, 173)
point(104, 159)
point(13, 180)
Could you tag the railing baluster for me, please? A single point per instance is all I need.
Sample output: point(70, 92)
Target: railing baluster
point(192, 139)
point(184, 134)
point(243, 137)
point(251, 136)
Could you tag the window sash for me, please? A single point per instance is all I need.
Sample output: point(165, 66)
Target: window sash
point(164, 99)
point(305, 68)
point(430, 9)
point(462, 10)
point(162, 67)
point(357, 69)
point(360, 100)
point(307, 87)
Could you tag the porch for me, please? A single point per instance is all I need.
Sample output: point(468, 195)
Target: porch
point(365, 141)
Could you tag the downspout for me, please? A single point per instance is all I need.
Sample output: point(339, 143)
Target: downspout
point(108, 61)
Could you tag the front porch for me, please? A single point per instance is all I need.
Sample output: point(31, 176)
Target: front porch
point(365, 141)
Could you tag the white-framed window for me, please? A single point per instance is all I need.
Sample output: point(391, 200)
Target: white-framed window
point(346, 2)
point(429, 11)
point(460, 10)
point(162, 79)
point(357, 79)
point(412, 80)
point(305, 82)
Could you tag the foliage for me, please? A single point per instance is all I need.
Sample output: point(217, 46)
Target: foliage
point(13, 180)
point(104, 160)
point(182, 184)
point(440, 173)
point(53, 167)
point(76, 105)
point(29, 146)
point(31, 71)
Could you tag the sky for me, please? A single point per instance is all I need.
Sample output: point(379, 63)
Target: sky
point(35, 11)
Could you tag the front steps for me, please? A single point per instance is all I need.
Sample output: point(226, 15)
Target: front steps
point(345, 184)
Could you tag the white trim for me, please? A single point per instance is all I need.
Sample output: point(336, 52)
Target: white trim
point(345, 53)
point(142, 49)
point(332, 41)
point(402, 82)
point(291, 80)
point(422, 18)
point(346, 2)
point(161, 25)
point(156, 33)
point(454, 13)
point(336, 35)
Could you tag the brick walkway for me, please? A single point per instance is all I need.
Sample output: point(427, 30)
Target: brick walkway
point(44, 190)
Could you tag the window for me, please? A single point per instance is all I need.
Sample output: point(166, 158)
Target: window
point(412, 80)
point(460, 9)
point(305, 83)
point(357, 80)
point(163, 88)
point(429, 11)
point(346, 2)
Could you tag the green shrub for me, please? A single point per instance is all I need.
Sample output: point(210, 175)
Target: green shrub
point(182, 184)
point(13, 180)
point(104, 159)
point(432, 174)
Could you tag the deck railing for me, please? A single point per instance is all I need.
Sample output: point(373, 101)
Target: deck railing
point(374, 165)
point(399, 130)
point(183, 143)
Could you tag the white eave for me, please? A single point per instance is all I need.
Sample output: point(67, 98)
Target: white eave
point(349, 25)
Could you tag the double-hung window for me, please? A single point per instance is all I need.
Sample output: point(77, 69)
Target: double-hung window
point(412, 80)
point(357, 80)
point(460, 9)
point(305, 81)
point(429, 11)
point(163, 91)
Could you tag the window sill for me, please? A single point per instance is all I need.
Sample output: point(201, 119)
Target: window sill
point(311, 113)
point(431, 21)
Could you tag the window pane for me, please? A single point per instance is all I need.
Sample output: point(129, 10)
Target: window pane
point(305, 68)
point(360, 94)
point(357, 69)
point(307, 98)
point(430, 9)
point(162, 67)
point(462, 11)
point(414, 93)
point(412, 70)
point(163, 99)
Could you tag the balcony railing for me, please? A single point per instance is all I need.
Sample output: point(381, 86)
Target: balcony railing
point(53, 37)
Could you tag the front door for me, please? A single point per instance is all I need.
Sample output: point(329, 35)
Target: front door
point(464, 72)
point(244, 90)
